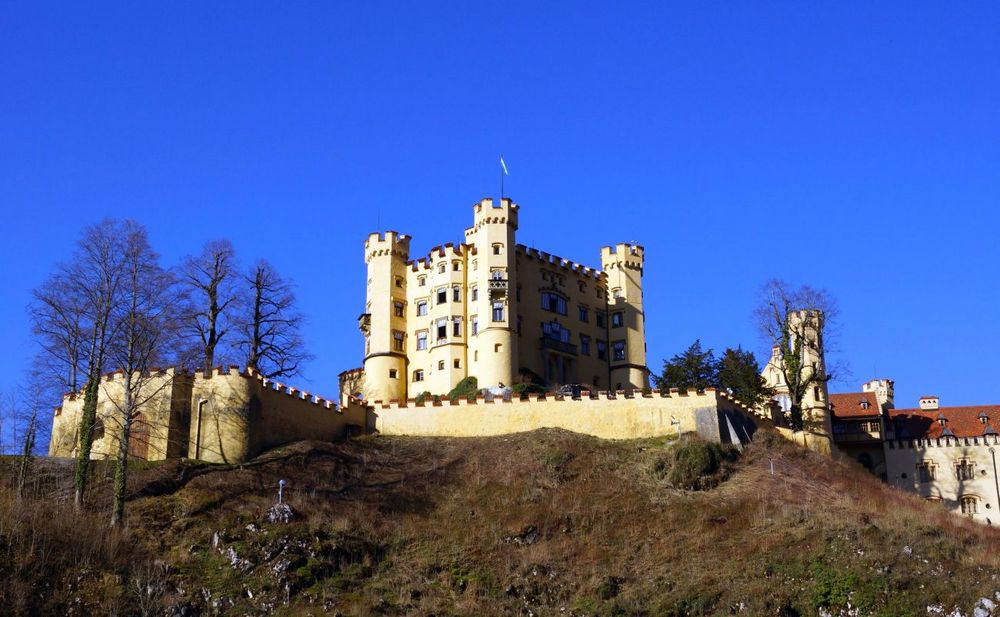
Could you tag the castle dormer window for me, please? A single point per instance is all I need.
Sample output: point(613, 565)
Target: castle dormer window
point(865, 404)
point(941, 419)
point(983, 417)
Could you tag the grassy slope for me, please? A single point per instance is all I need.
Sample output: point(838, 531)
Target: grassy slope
point(444, 526)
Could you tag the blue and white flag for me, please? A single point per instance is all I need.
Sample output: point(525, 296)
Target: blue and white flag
point(503, 166)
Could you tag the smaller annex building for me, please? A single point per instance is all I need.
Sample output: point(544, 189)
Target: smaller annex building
point(219, 416)
point(944, 454)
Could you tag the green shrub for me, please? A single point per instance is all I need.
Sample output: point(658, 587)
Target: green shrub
point(697, 465)
point(465, 388)
point(423, 396)
point(522, 390)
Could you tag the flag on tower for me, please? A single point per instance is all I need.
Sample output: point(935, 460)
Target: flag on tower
point(503, 166)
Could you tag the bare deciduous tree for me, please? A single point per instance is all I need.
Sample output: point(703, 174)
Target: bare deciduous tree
point(211, 295)
point(90, 282)
point(144, 326)
point(796, 322)
point(58, 318)
point(269, 325)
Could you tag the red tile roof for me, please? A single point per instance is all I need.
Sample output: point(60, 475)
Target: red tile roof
point(848, 405)
point(962, 421)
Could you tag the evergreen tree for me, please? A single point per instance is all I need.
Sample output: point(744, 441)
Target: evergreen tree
point(739, 373)
point(693, 368)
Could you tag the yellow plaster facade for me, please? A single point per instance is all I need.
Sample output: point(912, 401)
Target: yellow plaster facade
point(225, 416)
point(499, 311)
point(713, 415)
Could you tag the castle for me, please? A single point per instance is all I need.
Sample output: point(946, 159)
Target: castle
point(499, 311)
point(487, 308)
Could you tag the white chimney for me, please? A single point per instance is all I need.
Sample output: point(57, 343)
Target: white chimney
point(928, 403)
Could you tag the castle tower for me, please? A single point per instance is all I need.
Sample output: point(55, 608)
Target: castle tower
point(815, 399)
point(493, 349)
point(384, 321)
point(884, 390)
point(626, 322)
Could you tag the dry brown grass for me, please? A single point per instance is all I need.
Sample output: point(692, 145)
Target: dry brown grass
point(435, 525)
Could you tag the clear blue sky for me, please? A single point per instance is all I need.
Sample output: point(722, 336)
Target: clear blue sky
point(844, 145)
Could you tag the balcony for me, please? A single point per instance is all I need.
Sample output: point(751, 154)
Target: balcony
point(365, 322)
point(498, 287)
point(556, 345)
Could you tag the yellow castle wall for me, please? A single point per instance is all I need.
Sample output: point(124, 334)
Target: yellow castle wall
point(605, 417)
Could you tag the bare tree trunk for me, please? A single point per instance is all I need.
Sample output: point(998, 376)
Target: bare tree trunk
point(121, 462)
point(27, 449)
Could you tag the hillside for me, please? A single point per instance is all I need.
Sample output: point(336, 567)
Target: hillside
point(541, 523)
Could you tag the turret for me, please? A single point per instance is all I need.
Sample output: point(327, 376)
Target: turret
point(384, 321)
point(884, 390)
point(494, 346)
point(623, 265)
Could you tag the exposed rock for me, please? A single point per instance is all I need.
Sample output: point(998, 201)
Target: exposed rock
point(279, 513)
point(528, 536)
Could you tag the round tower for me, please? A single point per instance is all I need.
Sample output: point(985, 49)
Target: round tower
point(626, 323)
point(494, 346)
point(384, 321)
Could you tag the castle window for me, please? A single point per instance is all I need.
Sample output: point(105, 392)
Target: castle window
point(520, 321)
point(440, 365)
point(421, 281)
point(397, 308)
point(616, 293)
point(392, 373)
point(475, 264)
point(475, 293)
point(457, 326)
point(517, 293)
point(399, 281)
point(555, 332)
point(442, 267)
point(456, 294)
point(475, 356)
point(601, 318)
point(457, 363)
point(969, 504)
point(553, 302)
point(618, 347)
point(397, 340)
point(584, 345)
point(926, 472)
point(864, 404)
point(418, 375)
point(474, 324)
point(498, 249)
point(583, 286)
point(599, 293)
point(498, 348)
point(602, 350)
point(421, 340)
point(584, 314)
point(442, 296)
point(965, 470)
point(617, 319)
point(442, 329)
point(421, 308)
point(497, 275)
point(498, 311)
point(456, 266)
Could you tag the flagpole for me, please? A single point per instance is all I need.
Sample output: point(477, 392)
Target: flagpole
point(501, 178)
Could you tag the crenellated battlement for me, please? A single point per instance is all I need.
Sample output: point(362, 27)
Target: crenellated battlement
point(558, 262)
point(713, 414)
point(487, 212)
point(389, 243)
point(631, 256)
